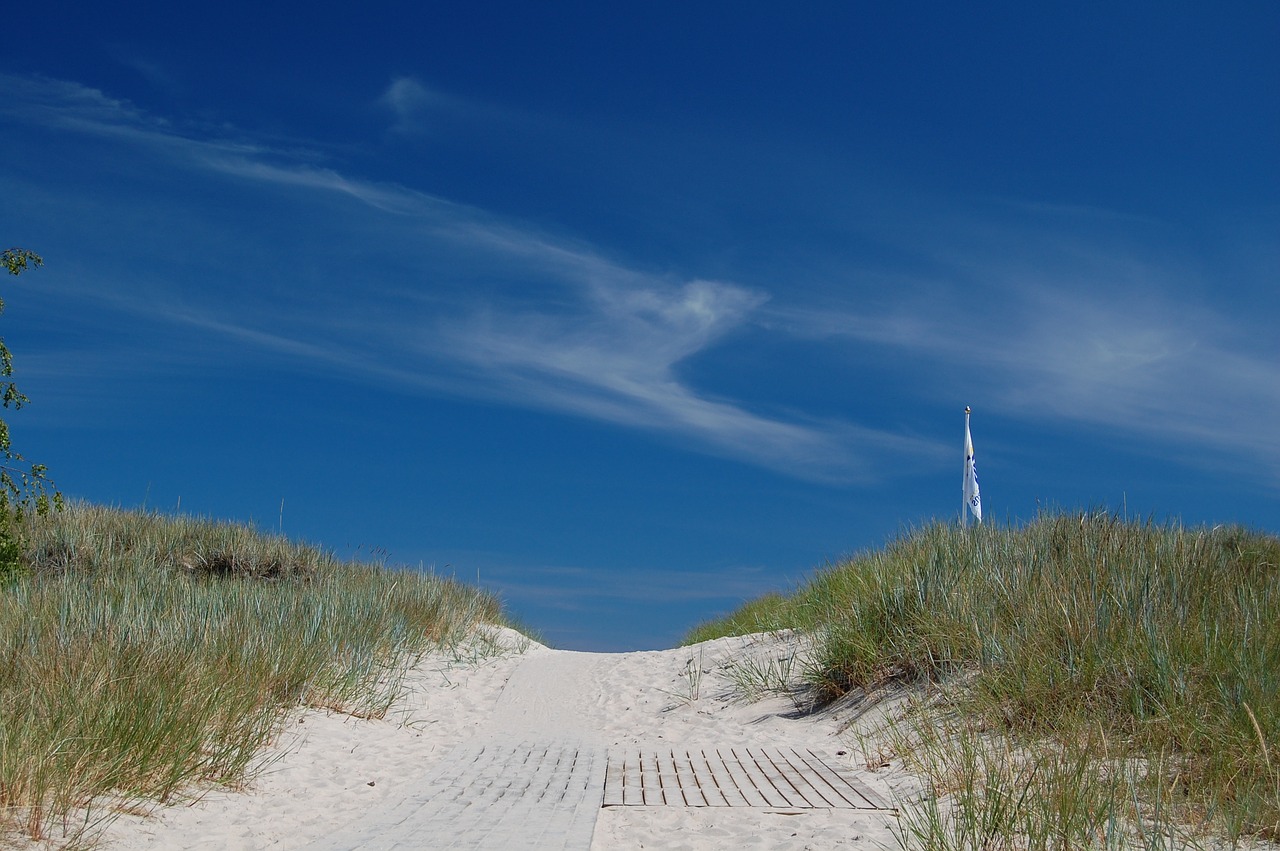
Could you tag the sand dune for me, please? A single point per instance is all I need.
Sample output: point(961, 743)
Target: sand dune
point(333, 781)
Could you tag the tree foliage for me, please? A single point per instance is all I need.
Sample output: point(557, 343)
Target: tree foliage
point(16, 261)
point(22, 487)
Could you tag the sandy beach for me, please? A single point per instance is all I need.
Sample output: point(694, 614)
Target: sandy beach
point(331, 780)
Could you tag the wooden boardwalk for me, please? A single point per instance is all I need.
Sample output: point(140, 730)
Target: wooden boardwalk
point(734, 777)
point(509, 796)
point(536, 776)
point(546, 795)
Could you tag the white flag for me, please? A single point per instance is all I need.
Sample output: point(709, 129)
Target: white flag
point(972, 498)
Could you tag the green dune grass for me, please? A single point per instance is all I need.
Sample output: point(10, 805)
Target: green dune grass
point(141, 654)
point(1082, 681)
point(1079, 682)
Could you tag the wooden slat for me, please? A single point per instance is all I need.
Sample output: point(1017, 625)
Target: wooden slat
point(615, 783)
point(813, 785)
point(716, 792)
point(782, 785)
point(762, 778)
point(828, 783)
point(736, 795)
point(634, 793)
point(667, 777)
point(734, 777)
point(740, 780)
point(652, 792)
point(690, 789)
point(841, 780)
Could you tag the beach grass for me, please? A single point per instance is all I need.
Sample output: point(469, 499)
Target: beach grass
point(143, 655)
point(1081, 681)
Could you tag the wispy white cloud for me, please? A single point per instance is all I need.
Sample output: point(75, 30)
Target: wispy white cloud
point(59, 103)
point(387, 198)
point(411, 104)
point(417, 110)
point(614, 359)
point(1081, 332)
point(1046, 311)
point(153, 72)
point(1153, 369)
point(72, 107)
point(601, 339)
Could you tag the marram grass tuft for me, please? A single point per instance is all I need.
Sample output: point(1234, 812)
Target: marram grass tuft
point(1079, 637)
point(140, 654)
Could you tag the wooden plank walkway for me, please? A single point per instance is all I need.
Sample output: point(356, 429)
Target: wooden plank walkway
point(734, 777)
point(546, 795)
point(542, 796)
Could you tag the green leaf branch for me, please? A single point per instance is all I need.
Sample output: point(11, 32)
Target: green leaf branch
point(22, 487)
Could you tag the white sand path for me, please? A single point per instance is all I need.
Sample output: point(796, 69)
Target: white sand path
point(510, 752)
point(531, 776)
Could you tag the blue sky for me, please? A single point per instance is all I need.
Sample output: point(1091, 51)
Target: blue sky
point(635, 311)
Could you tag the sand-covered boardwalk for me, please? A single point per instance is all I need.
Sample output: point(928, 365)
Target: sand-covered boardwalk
point(511, 751)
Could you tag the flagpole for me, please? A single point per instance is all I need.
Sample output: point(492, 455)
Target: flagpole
point(969, 490)
point(964, 485)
